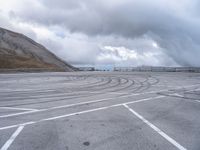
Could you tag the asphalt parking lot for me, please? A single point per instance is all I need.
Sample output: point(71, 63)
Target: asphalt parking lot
point(100, 111)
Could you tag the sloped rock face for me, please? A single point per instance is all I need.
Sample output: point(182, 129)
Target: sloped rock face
point(19, 51)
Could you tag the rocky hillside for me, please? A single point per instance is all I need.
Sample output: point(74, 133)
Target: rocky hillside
point(20, 52)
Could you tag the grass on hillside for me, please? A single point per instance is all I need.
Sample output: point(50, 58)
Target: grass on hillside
point(17, 62)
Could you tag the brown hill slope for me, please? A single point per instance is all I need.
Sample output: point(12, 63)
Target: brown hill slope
point(18, 51)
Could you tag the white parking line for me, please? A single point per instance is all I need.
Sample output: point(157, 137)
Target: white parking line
point(89, 102)
point(12, 138)
point(16, 108)
point(20, 113)
point(77, 104)
point(80, 112)
point(101, 108)
point(197, 101)
point(94, 101)
point(17, 125)
point(167, 137)
point(183, 98)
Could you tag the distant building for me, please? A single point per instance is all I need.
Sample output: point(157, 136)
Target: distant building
point(86, 68)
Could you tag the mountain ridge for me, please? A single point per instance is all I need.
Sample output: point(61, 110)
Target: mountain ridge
point(19, 51)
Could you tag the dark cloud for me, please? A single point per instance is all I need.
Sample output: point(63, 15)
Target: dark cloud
point(131, 24)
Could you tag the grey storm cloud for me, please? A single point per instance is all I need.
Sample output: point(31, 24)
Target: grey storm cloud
point(156, 28)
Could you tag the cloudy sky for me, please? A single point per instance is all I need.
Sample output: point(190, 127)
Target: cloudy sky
point(110, 32)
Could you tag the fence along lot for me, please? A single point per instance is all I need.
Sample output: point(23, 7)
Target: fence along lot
point(158, 69)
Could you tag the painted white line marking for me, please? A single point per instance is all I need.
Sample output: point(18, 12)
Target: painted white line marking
point(102, 92)
point(77, 104)
point(181, 96)
point(78, 113)
point(168, 138)
point(101, 108)
point(20, 113)
point(176, 94)
point(16, 108)
point(17, 125)
point(81, 112)
point(23, 90)
point(88, 102)
point(145, 99)
point(12, 138)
